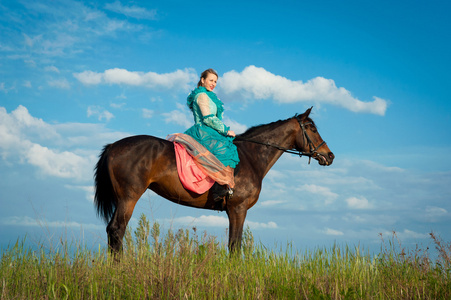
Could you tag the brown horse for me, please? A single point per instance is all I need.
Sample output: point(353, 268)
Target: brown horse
point(129, 166)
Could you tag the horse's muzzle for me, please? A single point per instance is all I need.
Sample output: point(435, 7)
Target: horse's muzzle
point(325, 160)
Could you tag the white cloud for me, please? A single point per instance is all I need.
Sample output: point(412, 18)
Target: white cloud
point(112, 26)
point(218, 221)
point(60, 164)
point(118, 105)
point(207, 221)
point(4, 89)
point(275, 175)
point(358, 203)
point(147, 113)
point(30, 62)
point(436, 211)
point(30, 41)
point(409, 234)
point(258, 83)
point(235, 126)
point(177, 80)
point(26, 139)
point(99, 112)
point(52, 69)
point(178, 117)
point(18, 129)
point(324, 192)
point(70, 27)
point(259, 225)
point(30, 222)
point(59, 83)
point(434, 214)
point(85, 135)
point(132, 11)
point(272, 202)
point(330, 231)
point(22, 115)
point(88, 189)
point(89, 77)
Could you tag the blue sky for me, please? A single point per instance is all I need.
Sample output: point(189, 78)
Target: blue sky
point(77, 75)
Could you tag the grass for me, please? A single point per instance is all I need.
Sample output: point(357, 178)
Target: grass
point(183, 265)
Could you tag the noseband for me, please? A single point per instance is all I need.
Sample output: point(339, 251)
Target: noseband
point(313, 150)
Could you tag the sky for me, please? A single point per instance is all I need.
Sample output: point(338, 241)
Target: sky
point(76, 75)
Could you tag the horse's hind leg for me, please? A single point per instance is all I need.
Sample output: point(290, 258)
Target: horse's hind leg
point(118, 224)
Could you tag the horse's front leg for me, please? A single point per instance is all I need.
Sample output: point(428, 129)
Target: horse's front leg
point(237, 215)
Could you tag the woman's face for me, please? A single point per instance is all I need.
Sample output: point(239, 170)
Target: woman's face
point(210, 82)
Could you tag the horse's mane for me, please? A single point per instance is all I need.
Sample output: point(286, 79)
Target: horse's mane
point(256, 130)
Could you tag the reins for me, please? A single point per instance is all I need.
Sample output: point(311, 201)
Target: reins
point(291, 151)
point(313, 150)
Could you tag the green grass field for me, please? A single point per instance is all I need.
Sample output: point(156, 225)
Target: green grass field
point(183, 265)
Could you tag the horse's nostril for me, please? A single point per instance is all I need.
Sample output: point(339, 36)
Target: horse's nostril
point(331, 155)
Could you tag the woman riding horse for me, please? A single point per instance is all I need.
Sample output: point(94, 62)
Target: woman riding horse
point(128, 167)
point(212, 133)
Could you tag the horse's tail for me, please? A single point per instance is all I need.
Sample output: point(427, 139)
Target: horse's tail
point(105, 198)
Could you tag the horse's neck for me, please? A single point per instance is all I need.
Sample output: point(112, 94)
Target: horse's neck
point(282, 135)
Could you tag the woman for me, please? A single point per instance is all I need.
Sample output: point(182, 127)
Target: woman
point(210, 131)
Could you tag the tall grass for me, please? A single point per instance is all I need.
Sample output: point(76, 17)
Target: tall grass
point(184, 265)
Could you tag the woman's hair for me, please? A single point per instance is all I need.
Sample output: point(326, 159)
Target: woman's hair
point(204, 75)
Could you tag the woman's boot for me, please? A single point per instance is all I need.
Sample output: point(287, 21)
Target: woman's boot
point(220, 194)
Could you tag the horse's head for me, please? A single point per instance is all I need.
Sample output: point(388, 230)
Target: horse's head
point(310, 142)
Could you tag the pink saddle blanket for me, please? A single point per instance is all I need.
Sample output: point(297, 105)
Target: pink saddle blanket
point(191, 176)
point(197, 167)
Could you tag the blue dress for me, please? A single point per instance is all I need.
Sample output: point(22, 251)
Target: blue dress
point(209, 130)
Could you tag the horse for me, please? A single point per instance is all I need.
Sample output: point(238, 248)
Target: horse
point(130, 166)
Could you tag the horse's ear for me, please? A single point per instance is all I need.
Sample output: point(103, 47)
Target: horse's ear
point(306, 114)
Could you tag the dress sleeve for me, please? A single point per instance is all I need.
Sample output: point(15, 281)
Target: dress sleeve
point(208, 118)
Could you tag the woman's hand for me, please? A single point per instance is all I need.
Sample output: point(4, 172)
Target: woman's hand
point(231, 133)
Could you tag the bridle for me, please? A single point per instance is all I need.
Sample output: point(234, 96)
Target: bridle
point(313, 151)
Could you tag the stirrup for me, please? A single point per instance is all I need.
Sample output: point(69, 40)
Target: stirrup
point(229, 194)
